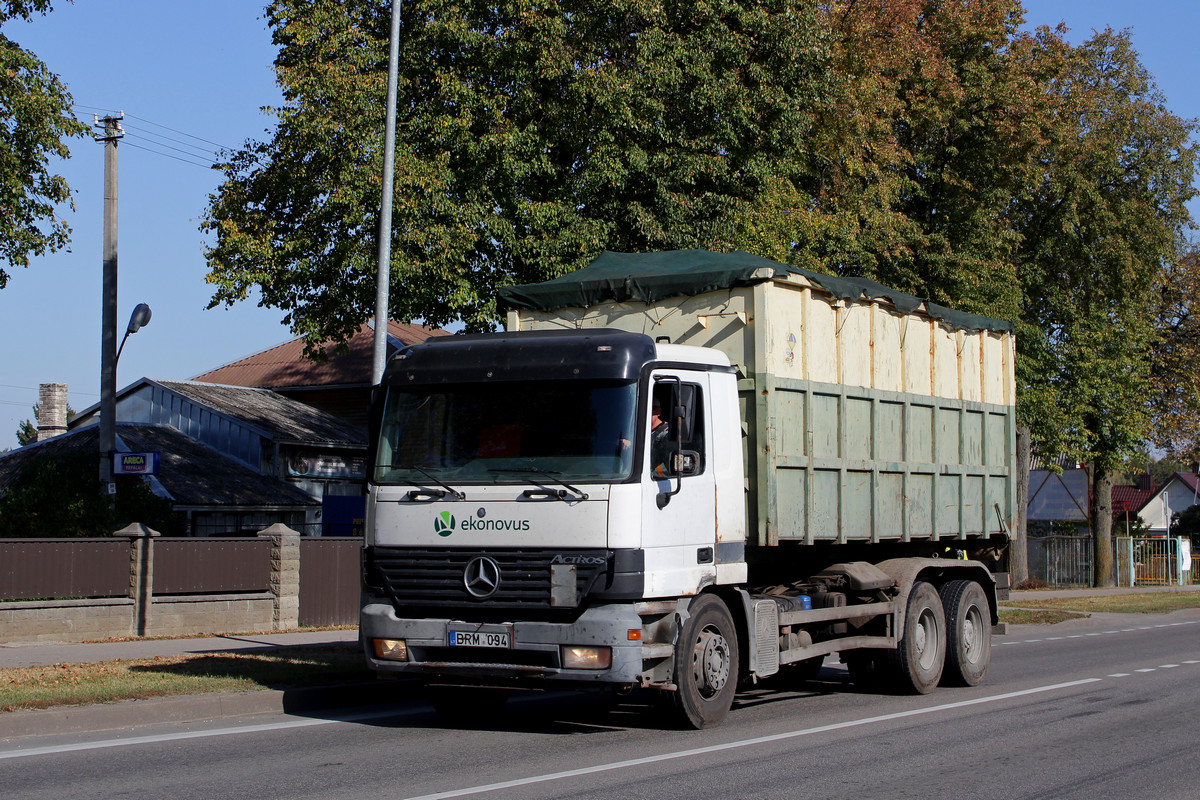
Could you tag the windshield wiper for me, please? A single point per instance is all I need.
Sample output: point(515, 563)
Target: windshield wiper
point(574, 492)
point(415, 495)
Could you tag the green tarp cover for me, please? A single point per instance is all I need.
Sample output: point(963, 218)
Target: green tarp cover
point(650, 277)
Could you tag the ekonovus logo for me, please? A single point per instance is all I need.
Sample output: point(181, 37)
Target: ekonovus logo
point(443, 523)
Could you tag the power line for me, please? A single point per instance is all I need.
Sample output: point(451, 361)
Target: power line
point(203, 154)
point(156, 136)
point(168, 155)
point(181, 133)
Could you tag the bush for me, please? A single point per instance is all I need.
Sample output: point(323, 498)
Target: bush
point(59, 497)
point(1031, 583)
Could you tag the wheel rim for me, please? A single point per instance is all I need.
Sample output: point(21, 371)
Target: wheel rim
point(710, 662)
point(925, 640)
point(972, 635)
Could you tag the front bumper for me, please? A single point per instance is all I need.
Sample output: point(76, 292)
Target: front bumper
point(534, 657)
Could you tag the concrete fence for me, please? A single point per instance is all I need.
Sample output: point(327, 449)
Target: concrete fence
point(136, 583)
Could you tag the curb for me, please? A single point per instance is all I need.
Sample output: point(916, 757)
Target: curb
point(197, 708)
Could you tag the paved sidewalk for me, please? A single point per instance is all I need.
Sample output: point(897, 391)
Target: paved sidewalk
point(32, 654)
point(1045, 594)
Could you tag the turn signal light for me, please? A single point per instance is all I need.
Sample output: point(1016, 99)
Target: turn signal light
point(390, 649)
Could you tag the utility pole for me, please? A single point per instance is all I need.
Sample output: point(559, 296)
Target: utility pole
point(108, 318)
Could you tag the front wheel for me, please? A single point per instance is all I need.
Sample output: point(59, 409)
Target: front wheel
point(706, 664)
point(917, 662)
point(968, 633)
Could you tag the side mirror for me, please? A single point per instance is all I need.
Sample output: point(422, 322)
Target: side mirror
point(682, 464)
point(685, 463)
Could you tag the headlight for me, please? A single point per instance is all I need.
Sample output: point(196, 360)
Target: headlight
point(390, 649)
point(586, 657)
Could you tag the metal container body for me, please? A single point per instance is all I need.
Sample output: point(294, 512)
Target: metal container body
point(860, 423)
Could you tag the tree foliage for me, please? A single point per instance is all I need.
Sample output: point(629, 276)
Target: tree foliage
point(531, 136)
point(1175, 378)
point(35, 122)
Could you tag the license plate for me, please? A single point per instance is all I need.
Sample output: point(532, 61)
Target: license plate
point(480, 638)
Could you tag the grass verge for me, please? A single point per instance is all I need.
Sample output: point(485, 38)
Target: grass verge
point(1029, 616)
point(1148, 603)
point(27, 688)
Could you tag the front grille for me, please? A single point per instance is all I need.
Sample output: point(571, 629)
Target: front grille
point(433, 579)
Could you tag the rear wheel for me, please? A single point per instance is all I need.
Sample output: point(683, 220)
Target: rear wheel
point(968, 633)
point(917, 662)
point(706, 664)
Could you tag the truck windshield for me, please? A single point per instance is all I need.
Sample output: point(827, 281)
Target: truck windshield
point(508, 432)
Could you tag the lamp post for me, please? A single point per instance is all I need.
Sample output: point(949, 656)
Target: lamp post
point(139, 319)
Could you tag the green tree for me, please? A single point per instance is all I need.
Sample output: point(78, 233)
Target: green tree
point(35, 122)
point(55, 496)
point(1097, 230)
point(531, 136)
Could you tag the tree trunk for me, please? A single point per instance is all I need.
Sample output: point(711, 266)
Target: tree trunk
point(1103, 572)
point(1018, 551)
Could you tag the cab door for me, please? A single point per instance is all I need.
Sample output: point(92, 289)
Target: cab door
point(678, 506)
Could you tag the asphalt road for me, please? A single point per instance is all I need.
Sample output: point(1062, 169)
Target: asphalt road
point(1088, 712)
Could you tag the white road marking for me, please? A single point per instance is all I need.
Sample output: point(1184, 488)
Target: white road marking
point(173, 737)
point(699, 751)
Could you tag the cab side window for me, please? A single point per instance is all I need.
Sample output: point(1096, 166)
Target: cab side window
point(669, 427)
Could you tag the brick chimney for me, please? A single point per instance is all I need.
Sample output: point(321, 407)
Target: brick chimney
point(52, 410)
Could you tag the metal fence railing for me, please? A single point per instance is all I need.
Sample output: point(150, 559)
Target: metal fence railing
point(1061, 561)
point(1154, 561)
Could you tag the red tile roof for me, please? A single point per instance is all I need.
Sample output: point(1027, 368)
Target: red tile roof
point(1130, 498)
point(285, 366)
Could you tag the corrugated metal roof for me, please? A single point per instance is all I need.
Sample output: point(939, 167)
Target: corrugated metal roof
point(280, 417)
point(193, 474)
point(285, 367)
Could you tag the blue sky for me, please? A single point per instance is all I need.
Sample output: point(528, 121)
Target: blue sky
point(193, 77)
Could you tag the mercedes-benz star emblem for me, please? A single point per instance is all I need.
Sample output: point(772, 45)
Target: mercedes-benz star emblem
point(481, 577)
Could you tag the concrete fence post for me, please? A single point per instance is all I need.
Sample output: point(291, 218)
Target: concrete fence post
point(285, 574)
point(141, 573)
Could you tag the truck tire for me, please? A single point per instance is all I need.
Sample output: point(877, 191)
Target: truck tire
point(968, 633)
point(706, 664)
point(917, 662)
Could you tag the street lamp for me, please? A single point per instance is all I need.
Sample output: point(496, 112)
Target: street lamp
point(139, 319)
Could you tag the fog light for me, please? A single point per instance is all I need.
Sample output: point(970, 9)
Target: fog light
point(390, 649)
point(587, 657)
